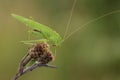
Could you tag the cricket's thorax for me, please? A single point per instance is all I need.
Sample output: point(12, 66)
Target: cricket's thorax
point(40, 52)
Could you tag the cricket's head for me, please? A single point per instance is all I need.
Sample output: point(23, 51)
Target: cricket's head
point(56, 41)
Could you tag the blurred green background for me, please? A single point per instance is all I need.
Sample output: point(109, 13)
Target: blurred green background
point(93, 53)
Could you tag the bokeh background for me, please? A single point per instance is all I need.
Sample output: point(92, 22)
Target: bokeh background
point(92, 53)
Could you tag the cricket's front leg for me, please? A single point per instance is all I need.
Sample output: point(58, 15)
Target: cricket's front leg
point(31, 42)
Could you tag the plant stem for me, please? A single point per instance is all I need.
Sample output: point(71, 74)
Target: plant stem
point(35, 65)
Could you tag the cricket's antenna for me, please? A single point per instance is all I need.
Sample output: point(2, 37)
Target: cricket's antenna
point(69, 20)
point(91, 21)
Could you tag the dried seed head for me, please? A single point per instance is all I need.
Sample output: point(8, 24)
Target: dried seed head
point(40, 52)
